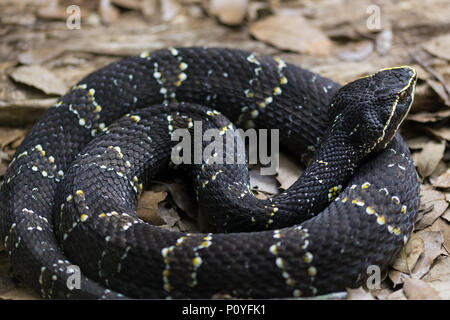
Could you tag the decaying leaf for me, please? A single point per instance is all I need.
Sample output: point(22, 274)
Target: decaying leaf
point(40, 78)
point(9, 135)
point(357, 51)
point(397, 295)
point(443, 181)
point(427, 159)
point(425, 117)
point(384, 41)
point(37, 56)
point(439, 46)
point(108, 12)
point(183, 198)
point(439, 277)
point(439, 89)
point(409, 255)
point(358, 294)
point(434, 204)
point(446, 215)
point(293, 33)
point(147, 208)
point(288, 171)
point(266, 184)
point(397, 277)
point(231, 12)
point(432, 249)
point(443, 227)
point(416, 289)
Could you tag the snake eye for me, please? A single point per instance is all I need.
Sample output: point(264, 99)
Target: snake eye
point(403, 94)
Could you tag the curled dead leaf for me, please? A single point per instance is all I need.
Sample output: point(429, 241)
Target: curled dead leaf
point(40, 78)
point(432, 249)
point(292, 32)
point(358, 294)
point(231, 12)
point(147, 208)
point(409, 255)
point(439, 277)
point(439, 46)
point(434, 204)
point(266, 184)
point(416, 289)
point(443, 181)
point(428, 159)
point(288, 171)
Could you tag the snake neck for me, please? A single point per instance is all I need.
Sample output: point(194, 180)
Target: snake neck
point(320, 184)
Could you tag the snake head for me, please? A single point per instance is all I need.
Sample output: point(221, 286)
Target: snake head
point(370, 110)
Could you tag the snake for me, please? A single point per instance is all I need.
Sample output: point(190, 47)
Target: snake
point(68, 199)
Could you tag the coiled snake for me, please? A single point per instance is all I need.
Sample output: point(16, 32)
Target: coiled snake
point(69, 195)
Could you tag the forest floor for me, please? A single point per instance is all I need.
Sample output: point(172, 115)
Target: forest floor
point(43, 53)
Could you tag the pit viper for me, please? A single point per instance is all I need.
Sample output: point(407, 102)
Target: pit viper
point(68, 199)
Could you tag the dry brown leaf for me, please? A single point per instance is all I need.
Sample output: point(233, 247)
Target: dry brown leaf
point(446, 215)
point(356, 51)
point(288, 171)
point(397, 277)
point(417, 143)
point(182, 196)
point(40, 78)
point(434, 200)
point(169, 9)
point(409, 255)
point(170, 217)
point(428, 159)
point(439, 46)
point(384, 41)
point(439, 277)
point(37, 56)
point(358, 294)
point(108, 13)
point(9, 135)
point(439, 89)
point(444, 227)
point(432, 249)
point(231, 12)
point(147, 208)
point(397, 295)
point(267, 184)
point(443, 181)
point(443, 133)
point(416, 289)
point(293, 33)
point(425, 117)
point(381, 294)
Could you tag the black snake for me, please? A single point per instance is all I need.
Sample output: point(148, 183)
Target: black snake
point(69, 195)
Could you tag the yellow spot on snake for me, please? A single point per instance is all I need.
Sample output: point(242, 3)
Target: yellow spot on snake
point(370, 210)
point(135, 118)
point(365, 185)
point(312, 271)
point(381, 220)
point(197, 261)
point(83, 217)
point(80, 193)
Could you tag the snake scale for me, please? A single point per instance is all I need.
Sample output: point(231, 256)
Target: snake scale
point(69, 195)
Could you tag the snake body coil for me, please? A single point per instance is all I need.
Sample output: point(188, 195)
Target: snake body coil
point(68, 198)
